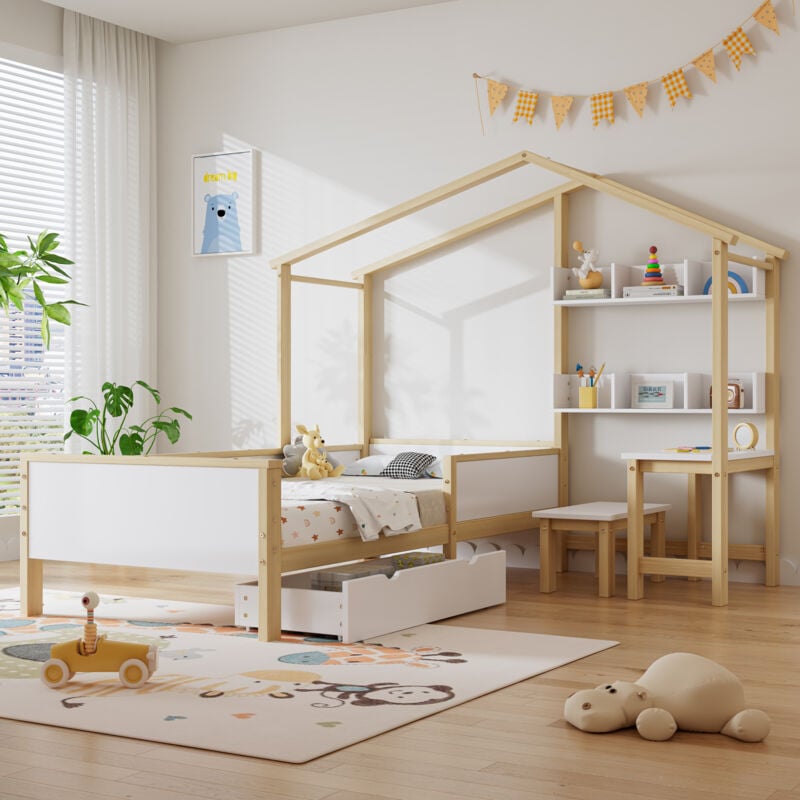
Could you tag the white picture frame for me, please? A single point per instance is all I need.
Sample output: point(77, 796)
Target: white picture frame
point(652, 394)
point(223, 212)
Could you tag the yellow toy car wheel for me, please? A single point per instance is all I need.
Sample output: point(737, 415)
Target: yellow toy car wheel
point(55, 673)
point(133, 673)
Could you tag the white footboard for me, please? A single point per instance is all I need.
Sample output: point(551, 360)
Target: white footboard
point(187, 513)
point(144, 515)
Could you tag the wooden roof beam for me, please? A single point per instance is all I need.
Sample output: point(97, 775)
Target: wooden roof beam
point(402, 210)
point(470, 229)
point(640, 199)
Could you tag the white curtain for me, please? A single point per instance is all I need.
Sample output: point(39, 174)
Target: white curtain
point(109, 89)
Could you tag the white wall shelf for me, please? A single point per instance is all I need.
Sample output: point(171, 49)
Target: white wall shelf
point(690, 393)
point(692, 275)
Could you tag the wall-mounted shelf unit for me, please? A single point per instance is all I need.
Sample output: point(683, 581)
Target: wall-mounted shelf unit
point(746, 284)
point(690, 393)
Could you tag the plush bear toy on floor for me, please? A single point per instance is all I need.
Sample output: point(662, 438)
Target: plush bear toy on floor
point(679, 691)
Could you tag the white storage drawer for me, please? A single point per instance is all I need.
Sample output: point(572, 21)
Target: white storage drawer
point(376, 605)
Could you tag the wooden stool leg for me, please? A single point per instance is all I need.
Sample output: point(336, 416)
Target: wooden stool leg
point(605, 560)
point(548, 557)
point(658, 546)
point(563, 554)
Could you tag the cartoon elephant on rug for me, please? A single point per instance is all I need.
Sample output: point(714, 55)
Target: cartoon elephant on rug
point(679, 691)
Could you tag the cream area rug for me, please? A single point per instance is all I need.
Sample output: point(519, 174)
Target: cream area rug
point(221, 689)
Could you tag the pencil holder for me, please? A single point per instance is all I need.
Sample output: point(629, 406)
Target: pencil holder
point(587, 397)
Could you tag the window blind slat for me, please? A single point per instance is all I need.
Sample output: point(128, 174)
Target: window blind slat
point(31, 200)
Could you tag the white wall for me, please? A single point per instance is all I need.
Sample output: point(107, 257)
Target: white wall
point(356, 115)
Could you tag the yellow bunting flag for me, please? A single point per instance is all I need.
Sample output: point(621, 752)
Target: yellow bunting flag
point(497, 91)
point(706, 64)
point(737, 44)
point(602, 107)
point(526, 106)
point(561, 106)
point(637, 95)
point(766, 16)
point(675, 84)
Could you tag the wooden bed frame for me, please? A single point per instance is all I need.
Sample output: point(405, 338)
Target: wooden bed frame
point(76, 508)
point(223, 515)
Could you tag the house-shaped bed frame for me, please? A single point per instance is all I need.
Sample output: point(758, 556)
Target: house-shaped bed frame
point(221, 512)
point(719, 467)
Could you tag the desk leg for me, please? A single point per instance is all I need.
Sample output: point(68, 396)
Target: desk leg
point(635, 530)
point(771, 530)
point(658, 544)
point(548, 557)
point(605, 560)
point(719, 539)
point(694, 517)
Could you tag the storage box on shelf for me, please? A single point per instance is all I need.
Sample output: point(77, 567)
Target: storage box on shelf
point(377, 604)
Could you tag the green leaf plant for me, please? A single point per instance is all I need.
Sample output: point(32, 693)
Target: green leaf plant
point(23, 272)
point(105, 429)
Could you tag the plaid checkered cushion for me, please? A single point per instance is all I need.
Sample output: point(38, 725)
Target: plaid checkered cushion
point(408, 465)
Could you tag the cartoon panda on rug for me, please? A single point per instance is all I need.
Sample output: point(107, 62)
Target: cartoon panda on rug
point(221, 230)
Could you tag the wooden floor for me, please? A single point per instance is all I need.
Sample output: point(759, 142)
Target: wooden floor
point(507, 745)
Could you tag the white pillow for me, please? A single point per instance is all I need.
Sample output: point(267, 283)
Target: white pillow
point(435, 470)
point(371, 465)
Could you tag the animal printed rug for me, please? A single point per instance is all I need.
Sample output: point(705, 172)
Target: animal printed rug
point(221, 689)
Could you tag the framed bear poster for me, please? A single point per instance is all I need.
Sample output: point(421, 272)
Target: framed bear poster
point(222, 203)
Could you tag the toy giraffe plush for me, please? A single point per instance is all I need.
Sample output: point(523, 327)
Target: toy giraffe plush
point(315, 464)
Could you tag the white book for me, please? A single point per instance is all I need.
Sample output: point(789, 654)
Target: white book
point(658, 290)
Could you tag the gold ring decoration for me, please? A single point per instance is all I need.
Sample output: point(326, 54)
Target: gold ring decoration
point(745, 436)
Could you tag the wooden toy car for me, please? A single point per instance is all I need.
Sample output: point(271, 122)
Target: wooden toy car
point(134, 662)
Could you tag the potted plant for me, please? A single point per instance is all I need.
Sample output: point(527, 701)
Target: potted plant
point(105, 429)
point(23, 272)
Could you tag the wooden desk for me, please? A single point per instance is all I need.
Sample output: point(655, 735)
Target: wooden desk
point(695, 465)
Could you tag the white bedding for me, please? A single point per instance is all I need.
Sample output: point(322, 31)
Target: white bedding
point(376, 510)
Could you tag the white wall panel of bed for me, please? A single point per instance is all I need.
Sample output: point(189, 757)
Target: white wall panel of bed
point(169, 517)
point(490, 488)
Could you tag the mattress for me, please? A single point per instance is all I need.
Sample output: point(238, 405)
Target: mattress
point(314, 521)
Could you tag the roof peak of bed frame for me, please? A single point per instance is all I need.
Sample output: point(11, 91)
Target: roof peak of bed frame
point(578, 179)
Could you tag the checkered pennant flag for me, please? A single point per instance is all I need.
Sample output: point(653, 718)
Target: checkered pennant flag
point(526, 106)
point(737, 44)
point(675, 84)
point(602, 107)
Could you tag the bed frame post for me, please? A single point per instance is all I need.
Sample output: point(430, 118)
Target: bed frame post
point(30, 569)
point(449, 476)
point(719, 426)
point(773, 416)
point(284, 289)
point(269, 552)
point(365, 366)
point(560, 365)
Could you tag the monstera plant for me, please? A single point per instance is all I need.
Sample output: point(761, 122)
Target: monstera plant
point(24, 272)
point(105, 427)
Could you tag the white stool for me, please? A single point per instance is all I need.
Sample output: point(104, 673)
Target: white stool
point(603, 519)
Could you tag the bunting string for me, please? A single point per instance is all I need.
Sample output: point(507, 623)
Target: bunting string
point(736, 44)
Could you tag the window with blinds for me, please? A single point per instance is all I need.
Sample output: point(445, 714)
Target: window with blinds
point(31, 200)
